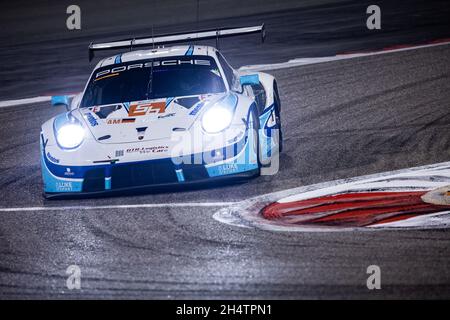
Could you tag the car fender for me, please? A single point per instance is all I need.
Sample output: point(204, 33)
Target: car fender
point(267, 81)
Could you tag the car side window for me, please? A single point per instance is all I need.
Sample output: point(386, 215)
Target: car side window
point(229, 73)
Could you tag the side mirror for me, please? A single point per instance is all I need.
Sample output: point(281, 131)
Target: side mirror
point(61, 101)
point(250, 79)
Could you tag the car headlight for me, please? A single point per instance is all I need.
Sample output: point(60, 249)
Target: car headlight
point(218, 117)
point(70, 135)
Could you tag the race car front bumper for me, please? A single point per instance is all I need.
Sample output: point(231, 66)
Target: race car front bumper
point(135, 190)
point(111, 178)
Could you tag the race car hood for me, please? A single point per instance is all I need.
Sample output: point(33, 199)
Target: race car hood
point(144, 120)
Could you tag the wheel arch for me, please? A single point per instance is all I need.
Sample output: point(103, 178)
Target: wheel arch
point(268, 82)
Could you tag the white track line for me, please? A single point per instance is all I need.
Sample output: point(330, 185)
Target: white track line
point(262, 67)
point(306, 61)
point(275, 66)
point(124, 206)
point(18, 102)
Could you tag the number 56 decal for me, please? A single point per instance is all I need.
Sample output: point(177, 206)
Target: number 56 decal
point(143, 109)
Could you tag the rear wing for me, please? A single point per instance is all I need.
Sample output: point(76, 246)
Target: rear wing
point(161, 40)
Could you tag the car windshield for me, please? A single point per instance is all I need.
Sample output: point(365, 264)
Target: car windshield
point(171, 77)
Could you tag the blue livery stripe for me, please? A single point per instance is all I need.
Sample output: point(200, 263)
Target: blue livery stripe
point(168, 101)
point(118, 59)
point(190, 51)
point(180, 175)
point(127, 106)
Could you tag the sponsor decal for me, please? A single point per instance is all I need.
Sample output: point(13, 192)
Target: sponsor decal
point(228, 168)
point(196, 109)
point(51, 158)
point(144, 109)
point(90, 118)
point(119, 153)
point(145, 150)
point(170, 62)
point(68, 172)
point(120, 121)
point(128, 120)
point(107, 76)
point(64, 186)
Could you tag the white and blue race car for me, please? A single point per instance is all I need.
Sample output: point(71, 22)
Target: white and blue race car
point(160, 117)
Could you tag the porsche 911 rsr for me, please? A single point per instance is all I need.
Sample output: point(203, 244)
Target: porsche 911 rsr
point(160, 117)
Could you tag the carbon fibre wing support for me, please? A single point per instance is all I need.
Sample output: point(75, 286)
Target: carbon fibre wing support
point(160, 40)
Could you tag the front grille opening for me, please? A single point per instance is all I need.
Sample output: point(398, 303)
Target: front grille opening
point(141, 174)
point(193, 172)
point(155, 172)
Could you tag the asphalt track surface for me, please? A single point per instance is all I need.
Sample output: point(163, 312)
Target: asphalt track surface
point(341, 119)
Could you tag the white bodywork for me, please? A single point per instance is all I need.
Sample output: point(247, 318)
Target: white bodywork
point(172, 128)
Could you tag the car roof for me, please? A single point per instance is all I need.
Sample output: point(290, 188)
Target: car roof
point(157, 53)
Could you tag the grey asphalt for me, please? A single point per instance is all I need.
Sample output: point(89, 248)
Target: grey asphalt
point(38, 49)
point(341, 119)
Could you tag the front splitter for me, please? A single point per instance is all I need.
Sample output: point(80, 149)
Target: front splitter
point(158, 188)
